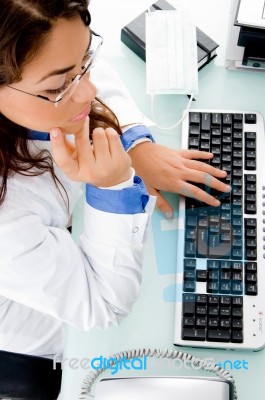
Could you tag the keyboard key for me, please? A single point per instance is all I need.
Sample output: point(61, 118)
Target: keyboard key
point(251, 254)
point(216, 132)
point(225, 300)
point(225, 324)
point(190, 249)
point(237, 337)
point(238, 117)
point(216, 119)
point(191, 234)
point(189, 286)
point(225, 287)
point(237, 288)
point(213, 323)
point(237, 324)
point(237, 312)
point(213, 275)
point(200, 322)
point(193, 143)
point(201, 299)
point(250, 208)
point(218, 249)
point(251, 290)
point(213, 264)
point(193, 334)
point(250, 135)
point(201, 275)
point(195, 118)
point(195, 130)
point(250, 164)
point(225, 312)
point(250, 118)
point(218, 335)
point(237, 301)
point(227, 119)
point(201, 310)
point(213, 311)
point(213, 300)
point(250, 223)
point(251, 267)
point(202, 243)
point(191, 221)
point(212, 287)
point(188, 322)
point(205, 121)
point(188, 306)
point(189, 275)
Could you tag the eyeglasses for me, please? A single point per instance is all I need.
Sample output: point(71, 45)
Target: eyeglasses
point(96, 42)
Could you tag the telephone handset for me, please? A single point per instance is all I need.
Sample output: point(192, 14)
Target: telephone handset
point(162, 387)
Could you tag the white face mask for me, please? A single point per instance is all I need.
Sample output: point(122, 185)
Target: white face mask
point(171, 53)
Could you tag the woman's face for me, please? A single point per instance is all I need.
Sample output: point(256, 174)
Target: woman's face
point(65, 49)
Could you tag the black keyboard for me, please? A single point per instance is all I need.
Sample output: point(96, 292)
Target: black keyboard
point(221, 250)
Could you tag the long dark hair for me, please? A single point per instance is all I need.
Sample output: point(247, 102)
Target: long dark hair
point(25, 25)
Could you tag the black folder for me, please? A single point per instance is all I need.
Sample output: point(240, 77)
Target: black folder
point(133, 36)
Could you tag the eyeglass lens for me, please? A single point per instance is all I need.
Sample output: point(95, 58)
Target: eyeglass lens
point(95, 46)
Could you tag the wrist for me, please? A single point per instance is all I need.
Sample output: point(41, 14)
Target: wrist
point(124, 182)
point(140, 147)
point(133, 134)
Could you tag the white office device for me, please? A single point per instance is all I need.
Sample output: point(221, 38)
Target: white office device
point(166, 388)
point(161, 387)
point(220, 298)
point(246, 36)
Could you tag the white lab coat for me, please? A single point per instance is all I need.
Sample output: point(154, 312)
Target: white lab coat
point(46, 279)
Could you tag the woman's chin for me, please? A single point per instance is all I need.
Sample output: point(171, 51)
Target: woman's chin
point(73, 128)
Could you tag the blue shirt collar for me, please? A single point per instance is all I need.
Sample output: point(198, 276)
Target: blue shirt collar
point(35, 135)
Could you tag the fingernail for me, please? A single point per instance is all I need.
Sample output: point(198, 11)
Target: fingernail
point(54, 132)
point(168, 214)
point(228, 188)
point(217, 202)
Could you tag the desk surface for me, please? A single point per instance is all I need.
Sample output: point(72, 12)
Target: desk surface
point(151, 322)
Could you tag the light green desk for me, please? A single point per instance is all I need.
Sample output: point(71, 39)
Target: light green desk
point(151, 322)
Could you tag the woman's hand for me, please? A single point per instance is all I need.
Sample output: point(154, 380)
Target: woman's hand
point(103, 164)
point(162, 168)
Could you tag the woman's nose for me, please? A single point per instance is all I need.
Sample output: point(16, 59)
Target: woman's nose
point(85, 91)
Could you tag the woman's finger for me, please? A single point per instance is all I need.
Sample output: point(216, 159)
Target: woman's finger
point(100, 144)
point(115, 144)
point(190, 154)
point(62, 151)
point(208, 180)
point(161, 203)
point(189, 190)
point(83, 145)
point(209, 169)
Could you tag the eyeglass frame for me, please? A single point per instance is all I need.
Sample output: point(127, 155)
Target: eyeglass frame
point(75, 80)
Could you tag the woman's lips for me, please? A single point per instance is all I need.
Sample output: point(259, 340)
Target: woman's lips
point(82, 115)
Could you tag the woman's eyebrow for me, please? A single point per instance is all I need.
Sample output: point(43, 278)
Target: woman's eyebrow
point(67, 69)
point(57, 72)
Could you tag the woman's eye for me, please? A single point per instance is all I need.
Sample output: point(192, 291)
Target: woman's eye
point(58, 90)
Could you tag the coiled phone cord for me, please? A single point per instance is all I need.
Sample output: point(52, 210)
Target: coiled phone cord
point(158, 353)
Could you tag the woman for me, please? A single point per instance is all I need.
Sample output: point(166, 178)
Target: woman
point(46, 53)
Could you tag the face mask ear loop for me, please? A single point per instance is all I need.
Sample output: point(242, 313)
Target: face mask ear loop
point(177, 123)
